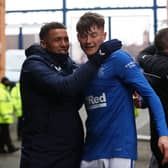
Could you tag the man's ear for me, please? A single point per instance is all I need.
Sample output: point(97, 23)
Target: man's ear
point(78, 36)
point(43, 43)
point(105, 34)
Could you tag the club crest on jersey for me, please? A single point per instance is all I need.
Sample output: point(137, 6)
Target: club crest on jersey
point(101, 72)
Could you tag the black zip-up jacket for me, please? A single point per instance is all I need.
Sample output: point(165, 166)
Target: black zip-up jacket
point(155, 66)
point(51, 96)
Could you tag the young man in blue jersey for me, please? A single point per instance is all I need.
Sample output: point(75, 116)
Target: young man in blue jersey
point(111, 139)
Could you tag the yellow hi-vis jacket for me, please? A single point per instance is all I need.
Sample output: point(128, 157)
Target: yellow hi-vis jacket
point(16, 100)
point(6, 106)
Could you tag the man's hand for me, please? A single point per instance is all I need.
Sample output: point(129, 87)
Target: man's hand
point(110, 46)
point(105, 50)
point(163, 146)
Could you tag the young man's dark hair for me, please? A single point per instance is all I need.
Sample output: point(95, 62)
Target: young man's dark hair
point(91, 19)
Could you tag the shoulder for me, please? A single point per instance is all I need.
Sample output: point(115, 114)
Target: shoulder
point(120, 56)
point(35, 62)
point(145, 59)
point(34, 58)
point(150, 50)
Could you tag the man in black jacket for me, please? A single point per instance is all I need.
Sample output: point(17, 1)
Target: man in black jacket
point(154, 62)
point(52, 93)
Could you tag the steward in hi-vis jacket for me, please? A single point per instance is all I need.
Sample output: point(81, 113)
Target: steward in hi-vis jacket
point(17, 104)
point(6, 118)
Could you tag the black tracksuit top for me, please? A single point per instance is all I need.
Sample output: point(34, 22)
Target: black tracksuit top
point(52, 93)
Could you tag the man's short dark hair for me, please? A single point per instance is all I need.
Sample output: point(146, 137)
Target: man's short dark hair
point(88, 20)
point(161, 39)
point(48, 26)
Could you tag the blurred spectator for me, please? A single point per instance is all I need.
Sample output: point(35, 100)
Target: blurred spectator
point(6, 117)
point(16, 99)
point(154, 62)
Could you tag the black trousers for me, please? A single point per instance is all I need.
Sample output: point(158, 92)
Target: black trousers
point(5, 138)
point(19, 127)
point(154, 146)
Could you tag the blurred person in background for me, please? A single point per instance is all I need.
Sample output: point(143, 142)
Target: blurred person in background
point(154, 62)
point(17, 104)
point(109, 103)
point(6, 117)
point(52, 93)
